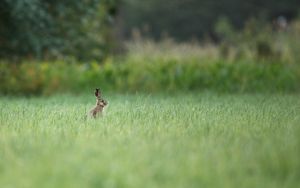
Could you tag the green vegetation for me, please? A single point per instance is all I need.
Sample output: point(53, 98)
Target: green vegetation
point(184, 140)
point(255, 59)
point(214, 104)
point(47, 29)
point(156, 74)
point(93, 29)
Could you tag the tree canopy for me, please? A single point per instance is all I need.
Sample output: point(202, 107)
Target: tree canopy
point(50, 28)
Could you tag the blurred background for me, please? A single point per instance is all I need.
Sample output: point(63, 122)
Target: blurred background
point(52, 46)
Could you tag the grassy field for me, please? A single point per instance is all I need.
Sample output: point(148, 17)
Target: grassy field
point(184, 140)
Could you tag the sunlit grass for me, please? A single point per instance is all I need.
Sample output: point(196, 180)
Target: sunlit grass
point(184, 140)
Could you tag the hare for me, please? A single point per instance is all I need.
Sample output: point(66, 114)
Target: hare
point(100, 104)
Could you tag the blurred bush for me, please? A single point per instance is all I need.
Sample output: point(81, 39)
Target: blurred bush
point(257, 41)
point(36, 29)
point(194, 19)
point(149, 75)
point(260, 40)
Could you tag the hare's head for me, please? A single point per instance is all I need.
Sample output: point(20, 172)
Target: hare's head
point(100, 102)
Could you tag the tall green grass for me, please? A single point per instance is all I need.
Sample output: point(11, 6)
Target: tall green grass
point(183, 140)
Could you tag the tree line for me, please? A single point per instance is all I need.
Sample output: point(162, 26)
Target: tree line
point(85, 30)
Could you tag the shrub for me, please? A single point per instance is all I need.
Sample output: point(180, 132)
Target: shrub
point(41, 29)
point(149, 75)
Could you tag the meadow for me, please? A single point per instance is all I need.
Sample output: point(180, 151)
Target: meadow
point(197, 139)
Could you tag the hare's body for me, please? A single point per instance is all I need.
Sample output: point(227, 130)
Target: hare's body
point(100, 104)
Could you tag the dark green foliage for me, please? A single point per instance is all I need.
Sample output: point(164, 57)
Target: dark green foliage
point(190, 19)
point(47, 29)
point(264, 49)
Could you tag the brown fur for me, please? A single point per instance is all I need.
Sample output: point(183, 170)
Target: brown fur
point(100, 104)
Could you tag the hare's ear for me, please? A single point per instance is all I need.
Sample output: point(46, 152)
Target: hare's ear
point(97, 92)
